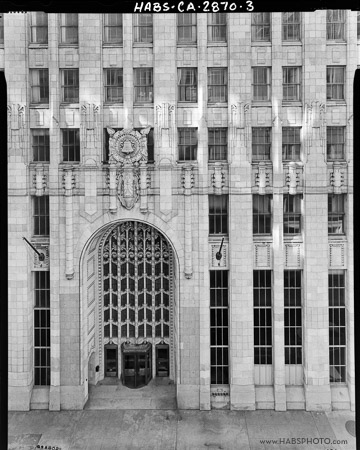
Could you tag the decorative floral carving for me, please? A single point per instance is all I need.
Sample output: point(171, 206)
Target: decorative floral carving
point(293, 177)
point(40, 181)
point(262, 177)
point(218, 179)
point(337, 177)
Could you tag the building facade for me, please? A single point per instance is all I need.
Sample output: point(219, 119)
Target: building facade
point(186, 184)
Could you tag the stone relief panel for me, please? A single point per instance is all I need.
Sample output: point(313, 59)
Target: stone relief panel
point(262, 255)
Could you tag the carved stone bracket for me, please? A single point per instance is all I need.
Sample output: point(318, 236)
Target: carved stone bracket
point(16, 125)
point(40, 181)
point(240, 121)
point(69, 183)
point(293, 177)
point(263, 176)
point(165, 120)
point(218, 179)
point(90, 124)
point(337, 177)
point(315, 119)
point(188, 183)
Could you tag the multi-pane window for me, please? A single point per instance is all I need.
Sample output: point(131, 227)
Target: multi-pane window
point(336, 213)
point(335, 24)
point(143, 85)
point(40, 145)
point(39, 82)
point(291, 144)
point(69, 85)
point(261, 143)
point(69, 28)
point(292, 317)
point(113, 79)
point(262, 214)
point(335, 143)
point(113, 29)
point(262, 317)
point(292, 214)
point(358, 25)
point(291, 84)
point(186, 28)
point(39, 27)
point(187, 85)
point(219, 327)
point(217, 85)
point(71, 144)
point(216, 27)
point(41, 215)
point(218, 214)
point(143, 28)
point(261, 83)
point(1, 28)
point(335, 83)
point(291, 26)
point(42, 328)
point(217, 141)
point(260, 27)
point(187, 144)
point(337, 326)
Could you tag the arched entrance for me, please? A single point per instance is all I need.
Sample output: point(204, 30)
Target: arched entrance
point(130, 269)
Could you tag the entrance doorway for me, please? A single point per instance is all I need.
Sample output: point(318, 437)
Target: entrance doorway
point(111, 361)
point(136, 364)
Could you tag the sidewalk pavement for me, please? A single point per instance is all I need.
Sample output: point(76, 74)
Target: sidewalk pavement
point(181, 430)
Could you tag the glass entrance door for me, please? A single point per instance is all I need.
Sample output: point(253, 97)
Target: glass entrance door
point(136, 365)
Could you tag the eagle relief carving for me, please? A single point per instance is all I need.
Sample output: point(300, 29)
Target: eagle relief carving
point(127, 148)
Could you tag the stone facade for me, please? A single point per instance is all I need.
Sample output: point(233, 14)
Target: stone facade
point(86, 198)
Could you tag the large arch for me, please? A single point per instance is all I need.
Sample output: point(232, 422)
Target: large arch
point(90, 277)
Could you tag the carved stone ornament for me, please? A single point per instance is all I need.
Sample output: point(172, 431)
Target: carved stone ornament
point(262, 177)
point(293, 177)
point(337, 177)
point(128, 151)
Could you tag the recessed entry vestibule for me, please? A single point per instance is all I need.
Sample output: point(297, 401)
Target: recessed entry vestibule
point(129, 293)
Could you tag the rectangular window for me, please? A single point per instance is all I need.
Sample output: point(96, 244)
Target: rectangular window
point(335, 83)
point(219, 327)
point(337, 326)
point(187, 144)
point(262, 317)
point(336, 213)
point(358, 25)
point(143, 85)
point(218, 214)
point(291, 26)
point(69, 28)
point(113, 79)
point(41, 215)
point(292, 317)
point(42, 328)
point(261, 83)
point(335, 25)
point(186, 28)
point(216, 27)
point(217, 142)
point(69, 85)
point(291, 145)
point(1, 28)
point(335, 143)
point(187, 85)
point(260, 27)
point(262, 214)
point(292, 214)
point(217, 85)
point(71, 144)
point(113, 29)
point(39, 83)
point(261, 143)
point(40, 145)
point(143, 28)
point(291, 84)
point(39, 28)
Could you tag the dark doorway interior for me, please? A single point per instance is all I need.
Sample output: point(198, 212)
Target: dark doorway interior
point(111, 362)
point(136, 367)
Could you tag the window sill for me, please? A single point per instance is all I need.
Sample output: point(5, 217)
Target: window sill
point(217, 44)
point(291, 43)
point(340, 102)
point(65, 45)
point(337, 237)
point(331, 42)
point(287, 162)
point(342, 162)
point(121, 104)
point(188, 161)
point(261, 44)
point(217, 105)
point(262, 237)
point(38, 45)
point(69, 105)
point(33, 164)
point(260, 103)
point(68, 163)
point(143, 44)
point(296, 238)
point(292, 103)
point(214, 162)
point(39, 105)
point(112, 44)
point(144, 104)
point(186, 44)
point(187, 105)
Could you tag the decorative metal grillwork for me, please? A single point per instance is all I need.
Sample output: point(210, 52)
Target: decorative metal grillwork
point(136, 282)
